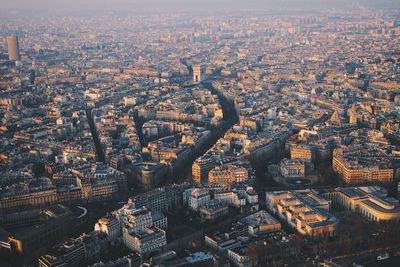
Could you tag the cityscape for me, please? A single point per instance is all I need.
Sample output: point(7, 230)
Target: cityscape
point(199, 133)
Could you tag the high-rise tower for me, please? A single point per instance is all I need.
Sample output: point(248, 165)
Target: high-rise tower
point(13, 47)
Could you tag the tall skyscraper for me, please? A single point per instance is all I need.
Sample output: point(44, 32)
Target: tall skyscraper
point(13, 47)
point(196, 74)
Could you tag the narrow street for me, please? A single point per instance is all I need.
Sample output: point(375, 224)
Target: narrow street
point(99, 150)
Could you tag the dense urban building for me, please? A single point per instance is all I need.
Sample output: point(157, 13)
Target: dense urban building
point(370, 201)
point(306, 211)
point(363, 166)
point(199, 133)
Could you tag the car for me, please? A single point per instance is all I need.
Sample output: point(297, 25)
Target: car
point(383, 257)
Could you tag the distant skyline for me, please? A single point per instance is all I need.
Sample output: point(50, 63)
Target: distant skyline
point(93, 7)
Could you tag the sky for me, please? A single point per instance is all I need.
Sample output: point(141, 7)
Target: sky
point(93, 7)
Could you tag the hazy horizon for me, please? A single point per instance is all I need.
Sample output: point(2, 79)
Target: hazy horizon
point(96, 7)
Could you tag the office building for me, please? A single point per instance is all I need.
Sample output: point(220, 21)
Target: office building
point(145, 242)
point(213, 209)
point(369, 201)
point(200, 169)
point(109, 225)
point(70, 253)
point(304, 210)
point(198, 198)
point(155, 200)
point(260, 222)
point(29, 231)
point(357, 166)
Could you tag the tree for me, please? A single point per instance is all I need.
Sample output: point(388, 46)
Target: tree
point(38, 168)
